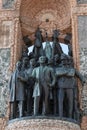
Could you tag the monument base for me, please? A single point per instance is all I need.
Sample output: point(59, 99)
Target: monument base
point(42, 123)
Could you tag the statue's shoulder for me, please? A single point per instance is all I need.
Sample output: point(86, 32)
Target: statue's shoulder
point(71, 72)
point(36, 68)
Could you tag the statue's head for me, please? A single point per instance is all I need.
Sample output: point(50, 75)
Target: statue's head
point(38, 32)
point(56, 34)
point(25, 61)
point(32, 62)
point(42, 59)
point(68, 38)
point(18, 65)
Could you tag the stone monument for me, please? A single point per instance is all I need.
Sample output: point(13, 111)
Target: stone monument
point(36, 81)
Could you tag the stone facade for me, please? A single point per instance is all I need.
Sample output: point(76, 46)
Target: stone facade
point(11, 15)
point(83, 70)
point(82, 31)
point(58, 14)
point(4, 77)
point(82, 38)
point(4, 90)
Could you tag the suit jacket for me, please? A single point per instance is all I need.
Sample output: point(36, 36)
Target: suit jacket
point(35, 74)
point(39, 74)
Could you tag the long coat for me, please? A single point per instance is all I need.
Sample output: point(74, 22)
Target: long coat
point(45, 78)
point(16, 87)
point(35, 74)
point(40, 79)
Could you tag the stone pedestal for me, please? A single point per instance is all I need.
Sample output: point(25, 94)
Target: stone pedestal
point(42, 124)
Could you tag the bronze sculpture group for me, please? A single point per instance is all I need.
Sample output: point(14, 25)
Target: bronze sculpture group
point(44, 82)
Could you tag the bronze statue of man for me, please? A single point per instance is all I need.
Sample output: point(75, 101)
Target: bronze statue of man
point(20, 87)
point(13, 84)
point(48, 49)
point(38, 48)
point(66, 80)
point(41, 88)
point(30, 84)
point(38, 74)
point(56, 48)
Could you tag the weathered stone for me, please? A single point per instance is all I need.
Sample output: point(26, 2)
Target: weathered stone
point(4, 77)
point(82, 31)
point(83, 70)
point(42, 124)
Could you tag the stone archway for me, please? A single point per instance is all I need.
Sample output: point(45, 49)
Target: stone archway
point(29, 15)
point(45, 14)
point(59, 14)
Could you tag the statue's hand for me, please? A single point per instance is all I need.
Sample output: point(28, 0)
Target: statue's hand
point(22, 79)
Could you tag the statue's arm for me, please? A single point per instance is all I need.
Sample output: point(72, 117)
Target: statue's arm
point(60, 72)
point(22, 78)
point(53, 79)
point(80, 76)
point(35, 74)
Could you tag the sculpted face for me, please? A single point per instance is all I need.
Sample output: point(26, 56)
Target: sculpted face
point(42, 59)
point(18, 65)
point(32, 62)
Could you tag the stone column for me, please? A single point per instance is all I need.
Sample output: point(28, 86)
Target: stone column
point(9, 38)
point(79, 33)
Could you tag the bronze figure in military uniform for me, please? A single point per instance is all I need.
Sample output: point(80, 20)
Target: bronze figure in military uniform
point(13, 84)
point(38, 48)
point(66, 84)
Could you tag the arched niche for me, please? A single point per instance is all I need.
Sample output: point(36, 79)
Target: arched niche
point(47, 15)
